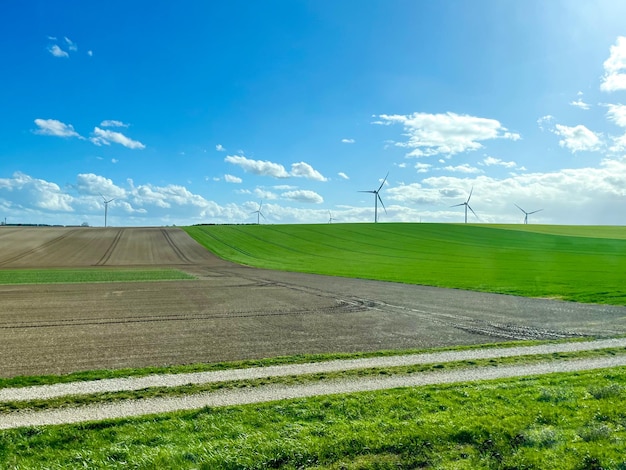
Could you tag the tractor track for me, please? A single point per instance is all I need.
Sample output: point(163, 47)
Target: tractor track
point(43, 246)
point(107, 255)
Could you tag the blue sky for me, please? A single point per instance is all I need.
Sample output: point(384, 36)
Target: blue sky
point(198, 111)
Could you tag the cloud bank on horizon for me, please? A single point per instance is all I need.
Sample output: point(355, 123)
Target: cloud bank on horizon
point(304, 112)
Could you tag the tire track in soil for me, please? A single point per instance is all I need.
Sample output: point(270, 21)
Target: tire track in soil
point(43, 246)
point(107, 255)
point(341, 307)
point(181, 255)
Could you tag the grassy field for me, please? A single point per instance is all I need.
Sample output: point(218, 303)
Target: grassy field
point(48, 276)
point(571, 421)
point(583, 264)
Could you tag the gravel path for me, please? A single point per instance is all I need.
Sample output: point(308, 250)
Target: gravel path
point(274, 392)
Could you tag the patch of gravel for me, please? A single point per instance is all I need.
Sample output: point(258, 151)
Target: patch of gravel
point(273, 392)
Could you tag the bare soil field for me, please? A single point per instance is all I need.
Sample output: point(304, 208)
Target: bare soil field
point(235, 312)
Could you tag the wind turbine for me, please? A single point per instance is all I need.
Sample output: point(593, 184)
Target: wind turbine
point(526, 214)
point(106, 207)
point(259, 214)
point(377, 198)
point(330, 217)
point(466, 204)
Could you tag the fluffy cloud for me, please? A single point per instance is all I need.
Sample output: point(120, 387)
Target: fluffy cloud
point(95, 185)
point(105, 137)
point(29, 193)
point(447, 134)
point(342, 175)
point(56, 51)
point(55, 128)
point(232, 179)
point(113, 123)
point(614, 67)
point(303, 196)
point(305, 170)
point(258, 167)
point(348, 141)
point(577, 138)
point(617, 114)
point(422, 167)
point(220, 148)
point(492, 161)
point(545, 121)
point(464, 168)
point(580, 104)
point(276, 170)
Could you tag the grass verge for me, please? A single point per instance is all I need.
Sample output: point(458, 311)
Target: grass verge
point(560, 421)
point(50, 276)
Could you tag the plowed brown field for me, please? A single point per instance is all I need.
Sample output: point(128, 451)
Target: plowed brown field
point(234, 312)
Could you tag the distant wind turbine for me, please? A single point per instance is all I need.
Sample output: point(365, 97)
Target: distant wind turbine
point(330, 217)
point(377, 198)
point(259, 214)
point(526, 214)
point(106, 208)
point(466, 204)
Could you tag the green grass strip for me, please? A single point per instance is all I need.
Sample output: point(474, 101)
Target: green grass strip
point(571, 265)
point(51, 276)
point(556, 422)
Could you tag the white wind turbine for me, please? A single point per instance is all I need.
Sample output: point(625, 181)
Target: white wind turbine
point(377, 198)
point(259, 214)
point(106, 207)
point(466, 204)
point(526, 214)
point(330, 217)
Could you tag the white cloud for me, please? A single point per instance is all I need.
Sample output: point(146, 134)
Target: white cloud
point(29, 194)
point(258, 167)
point(90, 53)
point(492, 161)
point(113, 123)
point(276, 170)
point(95, 185)
point(580, 104)
point(545, 121)
point(348, 141)
point(303, 196)
point(70, 44)
point(264, 194)
point(617, 114)
point(306, 171)
point(56, 51)
point(220, 148)
point(614, 67)
point(342, 175)
point(105, 137)
point(423, 167)
point(577, 138)
point(464, 168)
point(55, 128)
point(448, 134)
point(232, 179)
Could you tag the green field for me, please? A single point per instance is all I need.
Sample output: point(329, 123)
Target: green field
point(48, 276)
point(574, 263)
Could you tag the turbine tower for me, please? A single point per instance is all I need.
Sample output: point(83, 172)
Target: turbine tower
point(330, 217)
point(259, 214)
point(466, 204)
point(377, 198)
point(526, 214)
point(106, 208)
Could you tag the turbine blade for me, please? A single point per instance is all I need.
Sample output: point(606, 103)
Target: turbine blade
point(520, 208)
point(470, 194)
point(381, 202)
point(468, 206)
point(534, 212)
point(457, 205)
point(381, 184)
point(366, 192)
